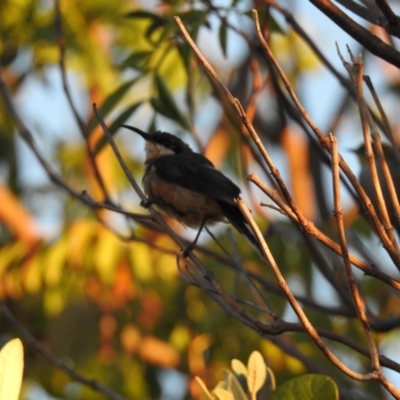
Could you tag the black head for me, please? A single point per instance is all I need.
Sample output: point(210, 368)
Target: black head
point(170, 142)
point(164, 139)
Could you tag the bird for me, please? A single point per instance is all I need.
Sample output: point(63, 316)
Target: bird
point(367, 184)
point(186, 186)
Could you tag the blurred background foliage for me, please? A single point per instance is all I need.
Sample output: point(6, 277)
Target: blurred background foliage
point(101, 292)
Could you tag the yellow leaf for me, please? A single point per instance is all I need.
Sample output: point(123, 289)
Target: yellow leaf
point(180, 337)
point(54, 262)
point(11, 253)
point(130, 339)
point(107, 254)
point(32, 275)
point(238, 367)
point(223, 394)
point(140, 257)
point(257, 373)
point(53, 301)
point(11, 368)
point(204, 388)
point(80, 235)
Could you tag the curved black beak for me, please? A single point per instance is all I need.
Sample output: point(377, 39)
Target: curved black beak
point(144, 135)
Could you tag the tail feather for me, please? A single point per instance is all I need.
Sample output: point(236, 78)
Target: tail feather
point(236, 218)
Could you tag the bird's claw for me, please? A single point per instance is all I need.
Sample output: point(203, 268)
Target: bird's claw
point(186, 252)
point(146, 203)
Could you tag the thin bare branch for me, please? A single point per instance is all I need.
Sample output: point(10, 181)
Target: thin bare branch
point(295, 305)
point(358, 301)
point(310, 228)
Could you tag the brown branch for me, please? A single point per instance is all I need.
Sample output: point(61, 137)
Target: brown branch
point(358, 301)
point(363, 36)
point(355, 71)
point(311, 229)
point(369, 14)
point(392, 19)
point(325, 144)
point(295, 305)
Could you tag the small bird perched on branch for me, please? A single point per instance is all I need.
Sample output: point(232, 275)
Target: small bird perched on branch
point(187, 187)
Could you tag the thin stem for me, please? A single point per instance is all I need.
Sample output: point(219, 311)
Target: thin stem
point(358, 301)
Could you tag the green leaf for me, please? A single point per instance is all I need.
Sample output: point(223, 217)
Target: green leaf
point(136, 60)
point(142, 14)
point(223, 37)
point(153, 28)
point(11, 369)
point(165, 103)
point(192, 15)
point(307, 387)
point(111, 101)
point(116, 124)
point(186, 54)
point(275, 26)
point(257, 373)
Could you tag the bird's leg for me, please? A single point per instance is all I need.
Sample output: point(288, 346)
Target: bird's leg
point(193, 244)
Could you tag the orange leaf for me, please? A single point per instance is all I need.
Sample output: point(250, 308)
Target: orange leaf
point(16, 218)
point(296, 148)
point(218, 146)
point(158, 352)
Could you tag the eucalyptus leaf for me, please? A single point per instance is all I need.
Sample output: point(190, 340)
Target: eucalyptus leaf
point(204, 389)
point(240, 370)
point(165, 103)
point(223, 37)
point(257, 373)
point(223, 394)
point(234, 386)
point(307, 387)
point(115, 125)
point(111, 102)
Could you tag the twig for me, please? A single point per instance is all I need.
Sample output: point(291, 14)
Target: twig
point(295, 305)
point(358, 301)
point(239, 109)
point(387, 128)
point(325, 144)
point(392, 18)
point(387, 176)
point(310, 228)
point(387, 236)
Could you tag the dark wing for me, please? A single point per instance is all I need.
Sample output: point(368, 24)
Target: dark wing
point(236, 218)
point(195, 172)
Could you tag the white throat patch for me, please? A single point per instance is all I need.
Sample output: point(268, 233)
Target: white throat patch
point(155, 150)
